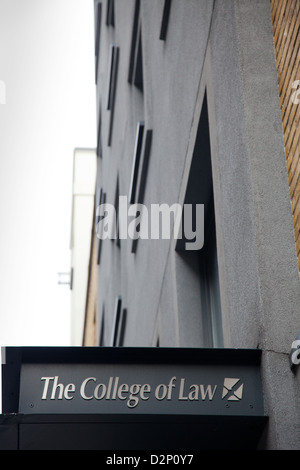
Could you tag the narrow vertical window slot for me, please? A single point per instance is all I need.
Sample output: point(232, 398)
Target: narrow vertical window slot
point(112, 86)
point(200, 266)
point(138, 68)
point(110, 13)
point(135, 72)
point(119, 322)
point(134, 40)
point(116, 228)
point(113, 52)
point(102, 329)
point(141, 186)
point(97, 39)
point(99, 235)
point(165, 20)
point(136, 162)
point(99, 137)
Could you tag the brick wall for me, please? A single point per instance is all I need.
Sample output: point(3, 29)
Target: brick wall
point(286, 30)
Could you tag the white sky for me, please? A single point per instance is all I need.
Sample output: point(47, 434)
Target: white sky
point(47, 64)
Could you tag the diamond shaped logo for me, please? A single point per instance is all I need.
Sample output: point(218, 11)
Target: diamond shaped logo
point(232, 389)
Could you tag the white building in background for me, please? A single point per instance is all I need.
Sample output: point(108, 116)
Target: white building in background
point(84, 182)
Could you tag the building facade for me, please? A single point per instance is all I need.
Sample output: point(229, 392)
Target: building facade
point(81, 240)
point(197, 106)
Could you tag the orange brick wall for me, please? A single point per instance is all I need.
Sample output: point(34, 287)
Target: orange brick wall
point(286, 31)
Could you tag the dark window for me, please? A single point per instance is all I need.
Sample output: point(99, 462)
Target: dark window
point(119, 323)
point(209, 287)
point(134, 39)
point(144, 166)
point(102, 329)
point(136, 162)
point(138, 69)
point(165, 20)
point(71, 278)
point(101, 200)
point(99, 137)
point(112, 86)
point(112, 68)
point(135, 73)
point(97, 38)
point(204, 261)
point(98, 201)
point(142, 177)
point(117, 193)
point(110, 13)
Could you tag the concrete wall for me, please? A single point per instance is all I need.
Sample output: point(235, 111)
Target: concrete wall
point(227, 50)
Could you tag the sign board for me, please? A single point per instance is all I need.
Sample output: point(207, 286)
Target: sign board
point(131, 398)
point(140, 389)
point(132, 381)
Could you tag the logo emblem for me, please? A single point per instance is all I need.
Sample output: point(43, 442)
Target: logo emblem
point(232, 389)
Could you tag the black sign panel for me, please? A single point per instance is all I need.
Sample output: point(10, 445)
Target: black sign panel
point(131, 398)
point(140, 389)
point(133, 381)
